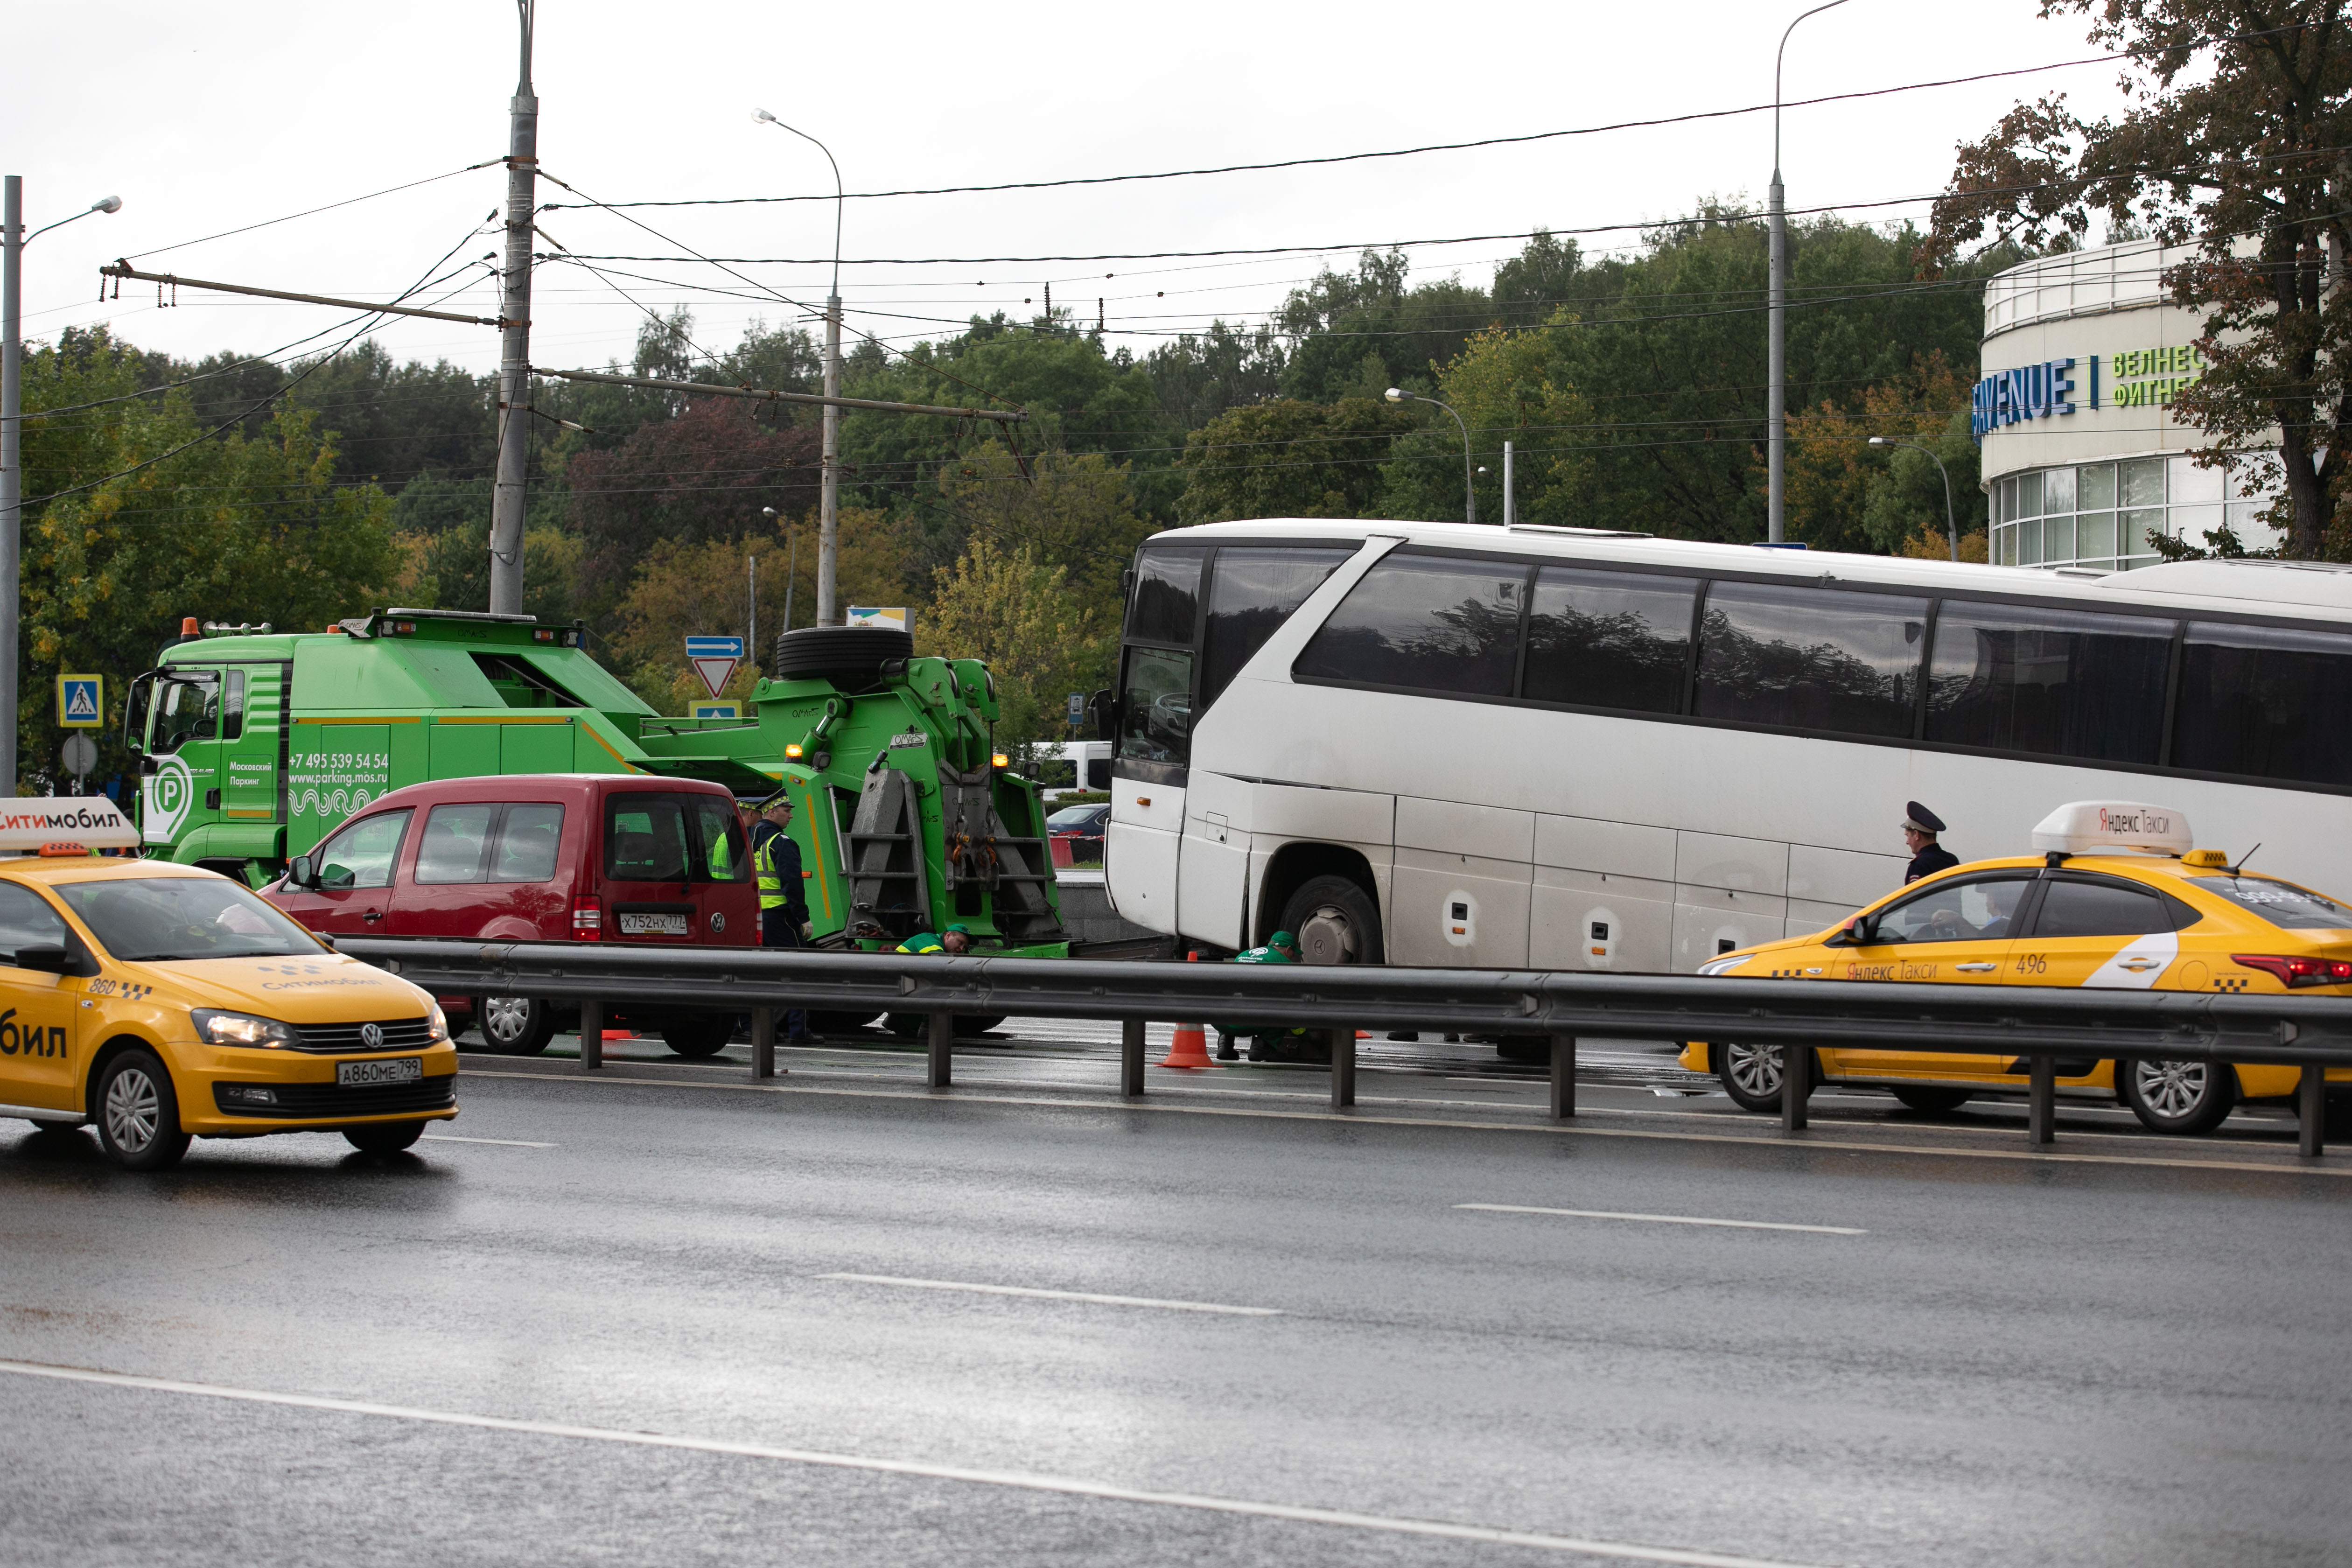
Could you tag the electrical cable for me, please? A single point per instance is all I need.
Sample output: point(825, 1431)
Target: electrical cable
point(312, 212)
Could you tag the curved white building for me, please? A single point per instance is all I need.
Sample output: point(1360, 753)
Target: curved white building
point(2082, 456)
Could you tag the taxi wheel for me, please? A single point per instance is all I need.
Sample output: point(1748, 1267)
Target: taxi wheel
point(138, 1114)
point(383, 1137)
point(514, 1025)
point(705, 1034)
point(2179, 1097)
point(1751, 1076)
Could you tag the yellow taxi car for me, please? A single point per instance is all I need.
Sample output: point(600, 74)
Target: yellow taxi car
point(2116, 897)
point(162, 1002)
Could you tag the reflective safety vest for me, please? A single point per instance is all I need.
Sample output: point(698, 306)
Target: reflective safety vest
point(922, 942)
point(771, 878)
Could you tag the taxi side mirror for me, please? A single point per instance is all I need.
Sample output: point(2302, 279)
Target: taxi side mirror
point(300, 872)
point(44, 958)
point(1858, 931)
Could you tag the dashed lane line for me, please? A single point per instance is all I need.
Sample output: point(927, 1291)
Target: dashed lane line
point(1665, 1218)
point(1054, 1295)
point(1067, 1486)
point(1754, 1140)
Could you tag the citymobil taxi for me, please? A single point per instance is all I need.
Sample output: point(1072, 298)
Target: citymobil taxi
point(2116, 896)
point(161, 1002)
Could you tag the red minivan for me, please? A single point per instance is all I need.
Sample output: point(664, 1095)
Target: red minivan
point(621, 858)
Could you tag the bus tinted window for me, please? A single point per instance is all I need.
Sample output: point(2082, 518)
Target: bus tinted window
point(1251, 594)
point(1810, 658)
point(1425, 622)
point(1166, 598)
point(1610, 639)
point(2265, 701)
point(2060, 682)
point(1156, 707)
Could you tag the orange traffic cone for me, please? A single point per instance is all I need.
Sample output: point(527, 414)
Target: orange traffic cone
point(1190, 1048)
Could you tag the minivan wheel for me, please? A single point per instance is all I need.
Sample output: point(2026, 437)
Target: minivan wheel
point(514, 1025)
point(1751, 1076)
point(703, 1034)
point(2178, 1097)
point(139, 1115)
point(383, 1137)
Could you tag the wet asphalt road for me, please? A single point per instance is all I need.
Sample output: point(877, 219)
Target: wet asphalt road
point(2137, 1353)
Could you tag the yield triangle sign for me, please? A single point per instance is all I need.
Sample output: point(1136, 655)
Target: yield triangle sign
point(713, 661)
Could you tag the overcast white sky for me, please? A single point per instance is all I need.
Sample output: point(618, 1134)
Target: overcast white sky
point(205, 118)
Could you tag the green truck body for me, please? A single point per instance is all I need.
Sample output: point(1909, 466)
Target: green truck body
point(254, 744)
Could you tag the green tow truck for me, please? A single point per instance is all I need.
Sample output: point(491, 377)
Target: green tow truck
point(254, 743)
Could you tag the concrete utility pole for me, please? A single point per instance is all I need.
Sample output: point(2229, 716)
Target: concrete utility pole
point(13, 241)
point(828, 516)
point(1775, 397)
point(514, 360)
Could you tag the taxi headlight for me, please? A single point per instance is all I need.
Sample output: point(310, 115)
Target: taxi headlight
point(220, 1028)
point(1725, 965)
point(437, 1027)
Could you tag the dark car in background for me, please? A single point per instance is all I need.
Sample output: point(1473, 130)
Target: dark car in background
point(1075, 833)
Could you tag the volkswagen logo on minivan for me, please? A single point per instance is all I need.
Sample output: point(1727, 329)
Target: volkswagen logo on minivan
point(372, 1037)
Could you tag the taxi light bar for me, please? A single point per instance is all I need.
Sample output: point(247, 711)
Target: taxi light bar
point(63, 850)
point(2297, 972)
point(587, 919)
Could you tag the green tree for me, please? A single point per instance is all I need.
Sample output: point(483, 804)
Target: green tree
point(1505, 385)
point(1009, 609)
point(1290, 459)
point(1075, 509)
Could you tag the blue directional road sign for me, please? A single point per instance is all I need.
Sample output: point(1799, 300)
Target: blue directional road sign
point(714, 659)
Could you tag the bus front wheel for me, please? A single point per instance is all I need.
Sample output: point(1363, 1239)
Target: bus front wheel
point(1335, 920)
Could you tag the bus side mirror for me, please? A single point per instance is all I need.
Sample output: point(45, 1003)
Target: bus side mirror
point(301, 873)
point(1106, 719)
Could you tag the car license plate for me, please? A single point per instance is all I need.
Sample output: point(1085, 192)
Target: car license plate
point(398, 1070)
point(657, 922)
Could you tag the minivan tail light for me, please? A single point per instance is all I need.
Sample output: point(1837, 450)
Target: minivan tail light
point(587, 919)
point(2296, 973)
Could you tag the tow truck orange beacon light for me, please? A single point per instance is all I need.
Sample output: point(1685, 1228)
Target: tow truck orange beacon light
point(1000, 761)
point(792, 750)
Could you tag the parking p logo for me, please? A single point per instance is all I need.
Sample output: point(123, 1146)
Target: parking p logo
point(167, 795)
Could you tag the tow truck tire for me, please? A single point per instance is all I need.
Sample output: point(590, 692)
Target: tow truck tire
point(1335, 921)
point(139, 1114)
point(1931, 1101)
point(840, 1023)
point(383, 1137)
point(2185, 1098)
point(1751, 1075)
point(701, 1035)
point(514, 1025)
point(857, 652)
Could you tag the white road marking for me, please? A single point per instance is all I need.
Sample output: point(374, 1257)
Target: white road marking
point(1057, 1295)
point(1666, 1218)
point(501, 1142)
point(1022, 1480)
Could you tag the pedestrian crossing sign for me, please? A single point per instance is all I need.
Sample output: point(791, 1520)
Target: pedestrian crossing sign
point(82, 701)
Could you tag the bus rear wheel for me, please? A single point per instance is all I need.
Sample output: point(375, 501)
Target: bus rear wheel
point(1752, 1076)
point(1335, 920)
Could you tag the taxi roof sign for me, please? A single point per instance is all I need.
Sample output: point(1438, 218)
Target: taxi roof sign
point(2089, 826)
point(29, 826)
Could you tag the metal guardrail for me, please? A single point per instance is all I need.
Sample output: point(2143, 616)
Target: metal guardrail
point(2040, 1023)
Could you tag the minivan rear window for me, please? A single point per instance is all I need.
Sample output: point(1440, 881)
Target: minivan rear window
point(673, 837)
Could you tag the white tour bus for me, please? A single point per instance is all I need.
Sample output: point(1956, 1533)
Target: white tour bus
point(1445, 744)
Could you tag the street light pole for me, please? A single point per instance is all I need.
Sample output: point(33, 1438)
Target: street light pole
point(791, 560)
point(1469, 487)
point(507, 502)
point(1951, 524)
point(828, 516)
point(13, 241)
point(1776, 396)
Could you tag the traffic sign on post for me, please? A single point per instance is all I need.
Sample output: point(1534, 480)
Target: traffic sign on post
point(1077, 708)
point(714, 659)
point(82, 701)
point(81, 755)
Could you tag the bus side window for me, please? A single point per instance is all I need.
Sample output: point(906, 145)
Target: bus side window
point(1610, 639)
point(1424, 623)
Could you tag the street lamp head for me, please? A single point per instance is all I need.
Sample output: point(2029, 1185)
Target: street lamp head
point(1396, 395)
point(107, 205)
point(767, 512)
point(764, 116)
point(1880, 441)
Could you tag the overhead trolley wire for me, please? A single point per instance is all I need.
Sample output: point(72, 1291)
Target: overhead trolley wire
point(312, 212)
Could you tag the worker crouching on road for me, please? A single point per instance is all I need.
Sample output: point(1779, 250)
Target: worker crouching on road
point(783, 907)
point(1270, 1042)
point(953, 942)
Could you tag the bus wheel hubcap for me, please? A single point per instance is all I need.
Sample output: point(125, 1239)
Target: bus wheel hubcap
point(1326, 937)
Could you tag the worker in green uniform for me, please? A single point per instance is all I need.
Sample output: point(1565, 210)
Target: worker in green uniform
point(951, 942)
point(784, 909)
point(1280, 948)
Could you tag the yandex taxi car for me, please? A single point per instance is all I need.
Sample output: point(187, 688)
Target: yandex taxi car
point(162, 1002)
point(2116, 897)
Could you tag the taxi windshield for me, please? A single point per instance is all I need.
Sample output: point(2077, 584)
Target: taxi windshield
point(155, 919)
point(2282, 904)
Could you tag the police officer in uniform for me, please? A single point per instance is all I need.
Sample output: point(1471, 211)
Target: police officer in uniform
point(783, 911)
point(1920, 826)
